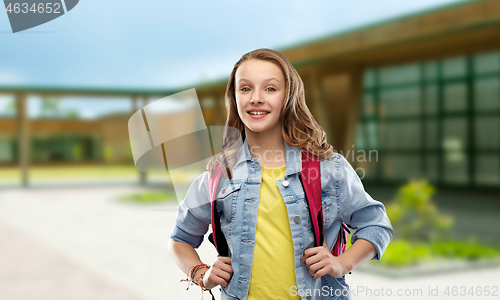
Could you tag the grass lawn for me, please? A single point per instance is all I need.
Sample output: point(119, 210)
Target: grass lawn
point(152, 197)
point(74, 171)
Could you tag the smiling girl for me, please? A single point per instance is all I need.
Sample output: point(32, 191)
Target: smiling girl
point(264, 215)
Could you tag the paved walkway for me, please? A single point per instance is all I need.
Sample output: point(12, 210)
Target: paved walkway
point(29, 270)
point(81, 243)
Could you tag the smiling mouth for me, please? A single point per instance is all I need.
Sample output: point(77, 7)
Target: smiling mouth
point(258, 112)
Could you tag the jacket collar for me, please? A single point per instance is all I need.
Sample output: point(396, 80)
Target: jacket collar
point(293, 157)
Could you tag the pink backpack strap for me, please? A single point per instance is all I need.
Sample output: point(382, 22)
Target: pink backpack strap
point(341, 243)
point(216, 237)
point(311, 181)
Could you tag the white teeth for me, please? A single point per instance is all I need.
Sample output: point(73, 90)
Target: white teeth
point(258, 112)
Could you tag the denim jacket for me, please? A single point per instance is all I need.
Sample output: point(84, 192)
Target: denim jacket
point(344, 200)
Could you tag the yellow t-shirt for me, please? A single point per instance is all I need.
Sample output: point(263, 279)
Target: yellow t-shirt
point(273, 272)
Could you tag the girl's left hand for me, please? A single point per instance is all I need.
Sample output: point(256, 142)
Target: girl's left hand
point(320, 262)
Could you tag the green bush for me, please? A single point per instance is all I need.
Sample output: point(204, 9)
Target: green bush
point(402, 253)
point(414, 215)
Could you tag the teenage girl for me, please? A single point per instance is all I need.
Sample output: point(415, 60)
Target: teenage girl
point(264, 214)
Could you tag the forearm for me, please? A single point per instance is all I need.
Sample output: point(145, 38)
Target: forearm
point(184, 255)
point(359, 253)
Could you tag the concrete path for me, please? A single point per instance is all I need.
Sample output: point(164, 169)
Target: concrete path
point(29, 270)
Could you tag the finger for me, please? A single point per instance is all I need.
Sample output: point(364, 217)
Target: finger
point(221, 281)
point(225, 259)
point(316, 267)
point(311, 251)
point(220, 264)
point(325, 245)
point(313, 259)
point(222, 274)
point(226, 268)
point(320, 273)
point(215, 278)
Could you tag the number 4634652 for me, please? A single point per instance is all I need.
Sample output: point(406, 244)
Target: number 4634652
point(24, 8)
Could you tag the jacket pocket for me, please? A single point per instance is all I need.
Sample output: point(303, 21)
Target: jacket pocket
point(226, 201)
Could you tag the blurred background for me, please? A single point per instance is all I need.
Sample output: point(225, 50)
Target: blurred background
point(407, 91)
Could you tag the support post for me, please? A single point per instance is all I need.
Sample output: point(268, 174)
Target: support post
point(23, 142)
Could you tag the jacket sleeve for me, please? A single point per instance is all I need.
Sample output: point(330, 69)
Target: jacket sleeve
point(194, 214)
point(359, 210)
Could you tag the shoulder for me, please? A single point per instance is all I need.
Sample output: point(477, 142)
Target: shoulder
point(333, 163)
point(336, 171)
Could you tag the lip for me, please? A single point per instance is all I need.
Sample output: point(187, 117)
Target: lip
point(257, 116)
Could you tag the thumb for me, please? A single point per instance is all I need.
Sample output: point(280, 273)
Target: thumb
point(325, 245)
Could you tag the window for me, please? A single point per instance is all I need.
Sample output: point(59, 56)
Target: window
point(434, 119)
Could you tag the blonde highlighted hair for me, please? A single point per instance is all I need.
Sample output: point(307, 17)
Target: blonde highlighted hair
point(299, 129)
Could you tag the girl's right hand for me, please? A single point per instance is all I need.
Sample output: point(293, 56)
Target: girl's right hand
point(220, 273)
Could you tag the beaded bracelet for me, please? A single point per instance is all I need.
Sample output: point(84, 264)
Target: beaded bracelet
point(199, 282)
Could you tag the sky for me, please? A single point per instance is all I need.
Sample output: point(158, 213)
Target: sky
point(171, 44)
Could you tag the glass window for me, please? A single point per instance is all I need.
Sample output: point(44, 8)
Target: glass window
point(368, 104)
point(401, 167)
point(366, 163)
point(454, 145)
point(485, 63)
point(8, 106)
point(454, 67)
point(487, 171)
point(400, 102)
point(369, 79)
point(455, 169)
point(455, 97)
point(401, 135)
point(430, 70)
point(431, 99)
point(455, 132)
point(431, 134)
point(372, 137)
point(431, 165)
point(487, 94)
point(360, 137)
point(487, 133)
point(6, 154)
point(400, 74)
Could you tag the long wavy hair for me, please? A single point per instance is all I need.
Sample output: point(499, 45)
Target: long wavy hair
point(299, 129)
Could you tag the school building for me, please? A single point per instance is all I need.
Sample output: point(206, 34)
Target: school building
point(413, 97)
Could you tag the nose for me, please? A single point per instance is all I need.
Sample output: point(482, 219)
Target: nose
point(257, 98)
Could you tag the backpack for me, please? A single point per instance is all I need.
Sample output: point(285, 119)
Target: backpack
point(312, 189)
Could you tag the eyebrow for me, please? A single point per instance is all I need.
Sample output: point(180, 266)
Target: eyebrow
point(267, 80)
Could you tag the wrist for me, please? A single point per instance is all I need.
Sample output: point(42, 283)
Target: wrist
point(345, 265)
point(198, 274)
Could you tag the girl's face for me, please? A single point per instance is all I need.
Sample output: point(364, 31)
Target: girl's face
point(260, 91)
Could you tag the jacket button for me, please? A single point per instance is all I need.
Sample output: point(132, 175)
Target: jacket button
point(296, 219)
point(255, 165)
point(285, 183)
point(223, 191)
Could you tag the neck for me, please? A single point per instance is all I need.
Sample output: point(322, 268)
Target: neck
point(268, 147)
